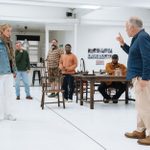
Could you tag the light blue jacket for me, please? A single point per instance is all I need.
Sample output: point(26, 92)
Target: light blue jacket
point(4, 60)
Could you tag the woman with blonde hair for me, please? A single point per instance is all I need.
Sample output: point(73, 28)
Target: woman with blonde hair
point(7, 68)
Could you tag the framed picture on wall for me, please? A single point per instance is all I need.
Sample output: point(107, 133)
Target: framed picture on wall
point(99, 62)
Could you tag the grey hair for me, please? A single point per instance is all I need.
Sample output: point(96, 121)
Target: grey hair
point(18, 42)
point(136, 22)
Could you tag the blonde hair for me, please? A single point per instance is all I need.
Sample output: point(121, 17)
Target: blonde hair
point(3, 27)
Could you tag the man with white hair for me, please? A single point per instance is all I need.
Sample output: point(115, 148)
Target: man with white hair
point(138, 70)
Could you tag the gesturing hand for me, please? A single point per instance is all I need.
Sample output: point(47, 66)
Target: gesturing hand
point(120, 39)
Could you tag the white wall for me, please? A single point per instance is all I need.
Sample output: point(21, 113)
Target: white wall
point(41, 43)
point(100, 37)
point(63, 37)
point(94, 37)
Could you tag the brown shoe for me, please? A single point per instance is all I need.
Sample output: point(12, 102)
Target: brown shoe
point(145, 141)
point(18, 98)
point(29, 97)
point(136, 135)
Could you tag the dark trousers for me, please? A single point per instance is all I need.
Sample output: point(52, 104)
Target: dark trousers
point(119, 86)
point(68, 86)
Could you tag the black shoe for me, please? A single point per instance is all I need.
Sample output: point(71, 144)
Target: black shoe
point(106, 101)
point(52, 95)
point(115, 101)
point(29, 97)
point(18, 98)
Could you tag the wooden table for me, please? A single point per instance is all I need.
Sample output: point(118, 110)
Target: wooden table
point(91, 78)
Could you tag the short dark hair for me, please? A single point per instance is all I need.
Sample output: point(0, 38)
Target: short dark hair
point(67, 45)
point(114, 56)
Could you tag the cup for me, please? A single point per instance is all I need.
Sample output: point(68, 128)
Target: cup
point(118, 72)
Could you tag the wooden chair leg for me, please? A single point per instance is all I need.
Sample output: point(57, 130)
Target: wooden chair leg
point(76, 91)
point(42, 101)
point(63, 101)
point(58, 100)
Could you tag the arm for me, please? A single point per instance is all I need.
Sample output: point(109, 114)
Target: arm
point(61, 63)
point(18, 56)
point(28, 62)
point(123, 45)
point(126, 48)
point(61, 51)
point(74, 65)
point(109, 70)
point(123, 70)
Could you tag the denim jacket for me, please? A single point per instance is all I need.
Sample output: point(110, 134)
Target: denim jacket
point(5, 67)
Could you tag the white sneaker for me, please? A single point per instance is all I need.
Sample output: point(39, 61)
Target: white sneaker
point(9, 117)
point(65, 100)
point(70, 100)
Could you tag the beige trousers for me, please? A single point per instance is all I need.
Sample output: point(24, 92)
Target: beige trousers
point(142, 105)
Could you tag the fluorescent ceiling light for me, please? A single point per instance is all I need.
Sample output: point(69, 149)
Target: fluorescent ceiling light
point(52, 4)
point(89, 6)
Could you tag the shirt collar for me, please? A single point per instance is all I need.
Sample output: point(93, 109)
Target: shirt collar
point(136, 35)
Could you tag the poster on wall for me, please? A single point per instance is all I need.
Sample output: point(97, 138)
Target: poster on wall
point(99, 62)
point(100, 54)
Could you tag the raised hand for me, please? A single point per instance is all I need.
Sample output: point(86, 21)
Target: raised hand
point(120, 39)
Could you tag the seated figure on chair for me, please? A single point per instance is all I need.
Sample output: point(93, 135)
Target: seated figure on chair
point(113, 68)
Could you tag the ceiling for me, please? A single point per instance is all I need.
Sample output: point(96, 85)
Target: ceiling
point(37, 13)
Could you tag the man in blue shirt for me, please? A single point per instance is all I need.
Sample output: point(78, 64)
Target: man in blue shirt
point(138, 70)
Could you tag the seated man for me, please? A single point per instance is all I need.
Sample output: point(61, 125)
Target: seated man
point(119, 86)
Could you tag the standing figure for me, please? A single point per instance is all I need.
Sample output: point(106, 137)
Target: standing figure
point(68, 64)
point(139, 72)
point(7, 71)
point(23, 67)
point(53, 59)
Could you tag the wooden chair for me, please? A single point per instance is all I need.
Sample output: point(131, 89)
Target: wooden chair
point(77, 89)
point(47, 87)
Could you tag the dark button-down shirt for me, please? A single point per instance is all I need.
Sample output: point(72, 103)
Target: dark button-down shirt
point(138, 56)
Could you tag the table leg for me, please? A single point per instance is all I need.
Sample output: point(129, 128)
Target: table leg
point(126, 93)
point(91, 94)
point(81, 92)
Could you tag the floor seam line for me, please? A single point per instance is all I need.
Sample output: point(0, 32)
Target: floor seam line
point(76, 127)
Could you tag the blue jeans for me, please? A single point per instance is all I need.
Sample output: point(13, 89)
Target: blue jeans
point(24, 76)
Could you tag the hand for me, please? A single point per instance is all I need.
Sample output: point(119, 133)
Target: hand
point(14, 75)
point(120, 39)
point(28, 71)
point(21, 51)
point(63, 69)
point(143, 83)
